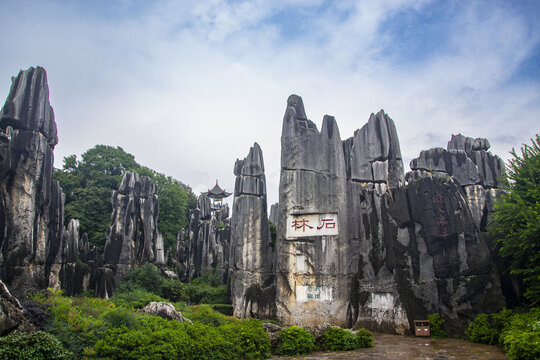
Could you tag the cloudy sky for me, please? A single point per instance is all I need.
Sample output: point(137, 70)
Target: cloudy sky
point(188, 86)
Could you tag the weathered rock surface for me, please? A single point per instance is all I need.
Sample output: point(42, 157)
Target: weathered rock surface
point(31, 210)
point(133, 237)
point(164, 310)
point(251, 273)
point(373, 153)
point(274, 213)
point(358, 247)
point(209, 234)
point(12, 318)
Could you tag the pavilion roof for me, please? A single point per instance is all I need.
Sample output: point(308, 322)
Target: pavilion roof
point(217, 192)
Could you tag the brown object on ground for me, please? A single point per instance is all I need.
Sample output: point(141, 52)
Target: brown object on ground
point(396, 347)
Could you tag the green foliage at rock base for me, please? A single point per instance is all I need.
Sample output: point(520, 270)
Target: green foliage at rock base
point(515, 224)
point(248, 337)
point(481, 331)
point(338, 339)
point(518, 333)
point(365, 338)
point(436, 325)
point(294, 341)
point(32, 346)
point(135, 299)
point(97, 329)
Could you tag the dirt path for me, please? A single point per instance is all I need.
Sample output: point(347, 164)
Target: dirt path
point(395, 347)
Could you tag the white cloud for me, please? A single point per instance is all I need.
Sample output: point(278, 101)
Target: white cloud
point(187, 87)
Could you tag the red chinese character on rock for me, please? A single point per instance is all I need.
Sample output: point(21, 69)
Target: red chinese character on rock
point(327, 223)
point(302, 224)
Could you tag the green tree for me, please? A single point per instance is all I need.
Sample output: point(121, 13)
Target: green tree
point(516, 221)
point(88, 185)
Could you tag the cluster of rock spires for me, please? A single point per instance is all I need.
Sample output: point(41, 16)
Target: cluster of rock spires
point(208, 241)
point(36, 250)
point(359, 243)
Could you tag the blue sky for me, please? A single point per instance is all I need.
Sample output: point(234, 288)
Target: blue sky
point(188, 86)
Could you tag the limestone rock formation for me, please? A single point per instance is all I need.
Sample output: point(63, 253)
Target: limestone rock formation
point(164, 310)
point(133, 237)
point(31, 210)
point(12, 318)
point(77, 262)
point(274, 213)
point(209, 234)
point(251, 275)
point(357, 246)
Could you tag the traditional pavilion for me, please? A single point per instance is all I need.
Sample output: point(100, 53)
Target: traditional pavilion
point(217, 194)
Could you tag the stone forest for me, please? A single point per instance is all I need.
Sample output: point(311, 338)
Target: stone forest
point(355, 242)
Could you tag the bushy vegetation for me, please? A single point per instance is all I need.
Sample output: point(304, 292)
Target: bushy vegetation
point(365, 338)
point(338, 339)
point(436, 325)
point(516, 220)
point(88, 183)
point(156, 338)
point(145, 284)
point(32, 346)
point(518, 333)
point(98, 328)
point(294, 341)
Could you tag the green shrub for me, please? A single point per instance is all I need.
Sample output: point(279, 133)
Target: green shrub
point(248, 337)
point(294, 341)
point(135, 299)
point(202, 293)
point(157, 338)
point(365, 338)
point(32, 346)
point(225, 309)
point(482, 331)
point(521, 336)
point(338, 339)
point(205, 315)
point(146, 277)
point(487, 329)
point(436, 326)
point(171, 289)
point(522, 345)
point(120, 317)
point(76, 322)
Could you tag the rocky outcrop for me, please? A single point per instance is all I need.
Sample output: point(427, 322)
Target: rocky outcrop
point(163, 310)
point(12, 318)
point(209, 234)
point(133, 237)
point(31, 207)
point(251, 273)
point(77, 264)
point(357, 246)
point(274, 213)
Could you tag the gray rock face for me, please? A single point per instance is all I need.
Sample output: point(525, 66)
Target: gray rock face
point(274, 213)
point(209, 240)
point(164, 310)
point(133, 237)
point(250, 266)
point(357, 247)
point(374, 152)
point(12, 318)
point(31, 211)
point(466, 159)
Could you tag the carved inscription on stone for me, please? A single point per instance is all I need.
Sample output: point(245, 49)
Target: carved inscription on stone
point(313, 293)
point(305, 225)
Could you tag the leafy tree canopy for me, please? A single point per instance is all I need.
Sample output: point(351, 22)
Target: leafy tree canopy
point(516, 221)
point(89, 182)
